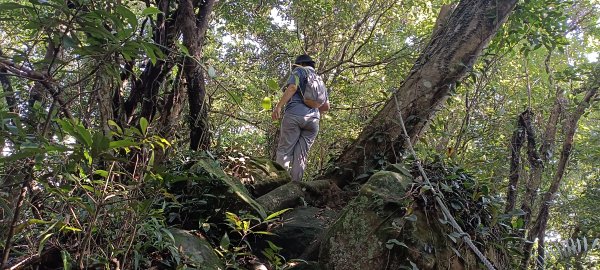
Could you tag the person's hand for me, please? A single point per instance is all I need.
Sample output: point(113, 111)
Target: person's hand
point(276, 114)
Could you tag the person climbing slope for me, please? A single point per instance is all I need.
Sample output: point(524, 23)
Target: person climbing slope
point(305, 98)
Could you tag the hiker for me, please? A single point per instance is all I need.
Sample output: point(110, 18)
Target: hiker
point(300, 123)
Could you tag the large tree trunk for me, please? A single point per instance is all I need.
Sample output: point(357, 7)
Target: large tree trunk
point(194, 33)
point(453, 49)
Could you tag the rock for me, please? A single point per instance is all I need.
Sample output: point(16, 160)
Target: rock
point(267, 174)
point(383, 228)
point(287, 196)
point(302, 227)
point(355, 240)
point(196, 251)
point(295, 194)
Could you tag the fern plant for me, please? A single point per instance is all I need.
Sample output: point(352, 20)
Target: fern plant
point(562, 251)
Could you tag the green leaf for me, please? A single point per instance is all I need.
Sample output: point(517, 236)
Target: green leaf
point(399, 168)
point(88, 188)
point(183, 49)
point(43, 241)
point(454, 236)
point(150, 11)
point(69, 228)
point(456, 252)
point(273, 246)
point(65, 259)
point(150, 52)
point(25, 153)
point(518, 223)
point(9, 6)
point(114, 124)
point(414, 266)
point(143, 125)
point(122, 143)
point(100, 143)
point(127, 14)
point(69, 42)
point(88, 157)
point(98, 32)
point(151, 160)
point(276, 214)
point(235, 185)
point(153, 51)
point(392, 242)
point(264, 232)
point(85, 136)
point(224, 244)
point(102, 173)
point(272, 84)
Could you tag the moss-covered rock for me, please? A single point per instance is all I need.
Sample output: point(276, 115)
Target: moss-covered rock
point(295, 194)
point(353, 241)
point(394, 224)
point(267, 175)
point(196, 251)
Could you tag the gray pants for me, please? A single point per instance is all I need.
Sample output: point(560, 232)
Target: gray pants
point(297, 135)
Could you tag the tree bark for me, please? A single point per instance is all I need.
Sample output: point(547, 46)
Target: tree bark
point(194, 33)
point(447, 58)
point(536, 165)
point(146, 88)
point(516, 144)
point(541, 222)
point(537, 168)
point(103, 89)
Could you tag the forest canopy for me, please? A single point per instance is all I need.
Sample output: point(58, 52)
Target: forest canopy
point(127, 126)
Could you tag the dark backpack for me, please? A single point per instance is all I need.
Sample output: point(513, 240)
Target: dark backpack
point(315, 92)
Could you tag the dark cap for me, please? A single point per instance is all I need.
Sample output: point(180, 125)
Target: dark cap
point(304, 59)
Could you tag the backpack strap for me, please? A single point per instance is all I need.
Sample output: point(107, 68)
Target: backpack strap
point(306, 72)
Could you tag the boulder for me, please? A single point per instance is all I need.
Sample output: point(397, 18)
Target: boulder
point(356, 240)
point(267, 175)
point(302, 227)
point(295, 194)
point(392, 225)
point(196, 250)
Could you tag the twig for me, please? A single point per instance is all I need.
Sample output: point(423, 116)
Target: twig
point(439, 195)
